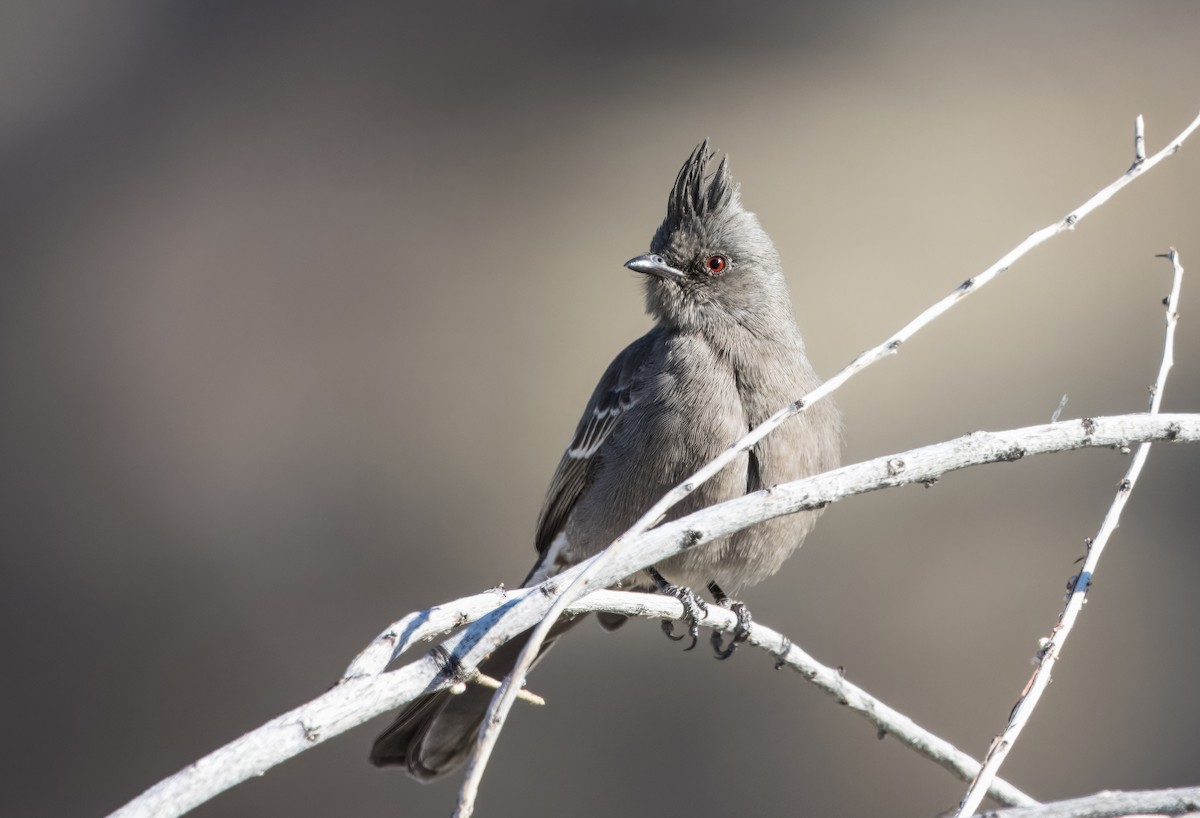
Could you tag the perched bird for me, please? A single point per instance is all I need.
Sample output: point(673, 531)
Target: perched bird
point(724, 355)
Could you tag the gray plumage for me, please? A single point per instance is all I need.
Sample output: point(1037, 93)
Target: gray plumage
point(724, 355)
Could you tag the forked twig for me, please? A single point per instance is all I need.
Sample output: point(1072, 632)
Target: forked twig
point(1081, 582)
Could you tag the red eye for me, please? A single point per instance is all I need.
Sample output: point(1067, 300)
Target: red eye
point(716, 264)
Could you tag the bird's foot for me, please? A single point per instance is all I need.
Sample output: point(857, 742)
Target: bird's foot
point(741, 631)
point(694, 609)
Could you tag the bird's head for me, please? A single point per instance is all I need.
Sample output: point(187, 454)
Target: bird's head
point(710, 262)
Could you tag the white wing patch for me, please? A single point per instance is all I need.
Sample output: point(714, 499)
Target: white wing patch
point(602, 421)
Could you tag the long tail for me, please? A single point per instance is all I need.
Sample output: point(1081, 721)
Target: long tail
point(433, 735)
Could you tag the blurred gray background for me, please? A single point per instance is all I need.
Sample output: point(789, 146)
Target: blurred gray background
point(300, 302)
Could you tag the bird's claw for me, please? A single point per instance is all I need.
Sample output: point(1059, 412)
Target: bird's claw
point(694, 609)
point(741, 632)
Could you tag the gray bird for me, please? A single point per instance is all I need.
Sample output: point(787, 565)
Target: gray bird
point(724, 355)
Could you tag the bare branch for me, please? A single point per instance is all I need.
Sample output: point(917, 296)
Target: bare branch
point(590, 578)
point(421, 626)
point(361, 697)
point(1181, 801)
point(1052, 646)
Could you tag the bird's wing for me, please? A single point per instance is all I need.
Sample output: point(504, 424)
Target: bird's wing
point(612, 399)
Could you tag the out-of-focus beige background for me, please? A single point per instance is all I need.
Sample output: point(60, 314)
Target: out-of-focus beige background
point(300, 301)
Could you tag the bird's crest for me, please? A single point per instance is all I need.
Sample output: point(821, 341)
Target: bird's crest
point(697, 196)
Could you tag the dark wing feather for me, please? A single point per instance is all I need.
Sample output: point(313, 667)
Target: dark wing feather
point(613, 397)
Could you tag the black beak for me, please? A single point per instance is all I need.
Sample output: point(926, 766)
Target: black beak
point(655, 265)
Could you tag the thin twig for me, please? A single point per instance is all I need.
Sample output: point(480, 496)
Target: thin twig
point(1139, 140)
point(1052, 647)
point(589, 579)
point(886, 720)
point(483, 680)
